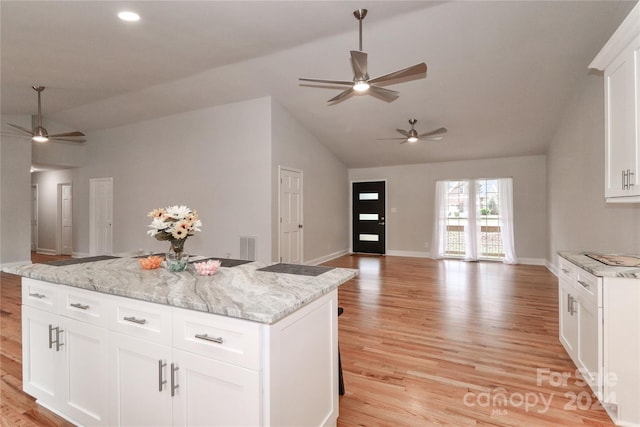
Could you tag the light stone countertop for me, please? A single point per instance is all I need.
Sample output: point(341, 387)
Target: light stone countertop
point(240, 291)
point(600, 269)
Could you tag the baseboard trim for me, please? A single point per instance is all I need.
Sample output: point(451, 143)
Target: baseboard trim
point(410, 254)
point(79, 254)
point(44, 251)
point(326, 258)
point(533, 261)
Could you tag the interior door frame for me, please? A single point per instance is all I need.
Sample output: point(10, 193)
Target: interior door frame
point(280, 169)
point(35, 200)
point(92, 214)
point(59, 217)
point(386, 216)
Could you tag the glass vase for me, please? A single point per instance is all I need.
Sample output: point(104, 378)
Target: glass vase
point(176, 258)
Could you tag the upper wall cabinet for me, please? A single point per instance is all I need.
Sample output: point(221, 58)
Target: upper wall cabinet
point(620, 61)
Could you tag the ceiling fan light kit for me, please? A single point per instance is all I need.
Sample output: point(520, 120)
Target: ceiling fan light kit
point(40, 134)
point(361, 83)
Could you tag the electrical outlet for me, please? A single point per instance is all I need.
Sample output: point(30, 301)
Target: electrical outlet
point(228, 255)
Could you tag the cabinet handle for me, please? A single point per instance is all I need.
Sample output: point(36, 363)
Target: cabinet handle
point(80, 306)
point(161, 382)
point(58, 343)
point(50, 336)
point(217, 340)
point(584, 284)
point(37, 295)
point(565, 271)
point(629, 175)
point(134, 320)
point(174, 380)
point(571, 307)
point(624, 180)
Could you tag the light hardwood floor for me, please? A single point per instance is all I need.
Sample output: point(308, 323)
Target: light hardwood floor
point(422, 342)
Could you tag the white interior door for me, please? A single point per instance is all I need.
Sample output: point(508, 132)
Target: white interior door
point(66, 219)
point(291, 216)
point(101, 216)
point(34, 217)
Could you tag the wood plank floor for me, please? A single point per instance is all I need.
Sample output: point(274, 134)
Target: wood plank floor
point(422, 342)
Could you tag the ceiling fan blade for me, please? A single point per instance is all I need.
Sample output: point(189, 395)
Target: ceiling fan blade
point(432, 138)
point(75, 133)
point(436, 132)
point(21, 129)
point(386, 94)
point(333, 82)
point(341, 95)
point(403, 132)
point(389, 139)
point(407, 72)
point(359, 64)
point(78, 141)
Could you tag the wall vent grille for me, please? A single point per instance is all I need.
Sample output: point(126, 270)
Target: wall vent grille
point(248, 248)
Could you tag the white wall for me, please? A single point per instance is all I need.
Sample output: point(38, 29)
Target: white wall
point(15, 194)
point(579, 218)
point(215, 160)
point(411, 193)
point(325, 192)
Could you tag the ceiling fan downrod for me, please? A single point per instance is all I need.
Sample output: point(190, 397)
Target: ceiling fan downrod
point(360, 14)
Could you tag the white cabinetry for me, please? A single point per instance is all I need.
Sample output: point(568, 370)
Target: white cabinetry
point(620, 61)
point(100, 359)
point(600, 329)
point(580, 309)
point(64, 359)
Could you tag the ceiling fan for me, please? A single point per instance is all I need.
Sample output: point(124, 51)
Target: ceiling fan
point(413, 136)
point(361, 82)
point(40, 134)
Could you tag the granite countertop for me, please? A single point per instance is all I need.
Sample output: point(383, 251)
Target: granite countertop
point(241, 291)
point(598, 268)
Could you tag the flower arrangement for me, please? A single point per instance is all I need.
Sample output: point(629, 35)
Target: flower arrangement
point(175, 224)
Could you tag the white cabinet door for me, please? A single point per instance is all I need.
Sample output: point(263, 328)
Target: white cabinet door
point(84, 349)
point(139, 389)
point(568, 319)
point(40, 356)
point(589, 352)
point(622, 156)
point(212, 393)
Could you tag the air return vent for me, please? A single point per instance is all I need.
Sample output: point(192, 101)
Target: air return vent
point(248, 248)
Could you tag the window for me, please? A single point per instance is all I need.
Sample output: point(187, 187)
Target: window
point(474, 219)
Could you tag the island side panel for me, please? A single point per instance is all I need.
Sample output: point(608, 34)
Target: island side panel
point(301, 386)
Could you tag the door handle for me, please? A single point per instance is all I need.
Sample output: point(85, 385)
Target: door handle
point(299, 225)
point(381, 223)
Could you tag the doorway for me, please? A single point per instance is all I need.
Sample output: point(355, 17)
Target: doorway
point(100, 216)
point(290, 206)
point(368, 223)
point(65, 214)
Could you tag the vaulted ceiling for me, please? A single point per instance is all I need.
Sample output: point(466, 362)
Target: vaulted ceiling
point(500, 73)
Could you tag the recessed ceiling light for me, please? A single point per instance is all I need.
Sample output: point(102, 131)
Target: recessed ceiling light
point(129, 16)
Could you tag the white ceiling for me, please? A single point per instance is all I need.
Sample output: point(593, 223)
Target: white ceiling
point(500, 73)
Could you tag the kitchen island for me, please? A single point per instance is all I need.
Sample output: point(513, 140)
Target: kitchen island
point(599, 308)
point(108, 343)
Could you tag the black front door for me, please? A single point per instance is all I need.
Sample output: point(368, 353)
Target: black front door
point(368, 217)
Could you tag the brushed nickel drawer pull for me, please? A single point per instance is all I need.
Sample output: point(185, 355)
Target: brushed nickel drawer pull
point(217, 340)
point(80, 306)
point(134, 320)
point(37, 295)
point(565, 271)
point(584, 284)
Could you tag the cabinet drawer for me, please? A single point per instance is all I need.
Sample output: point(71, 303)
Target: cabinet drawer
point(40, 295)
point(222, 338)
point(567, 270)
point(589, 287)
point(142, 319)
point(86, 306)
